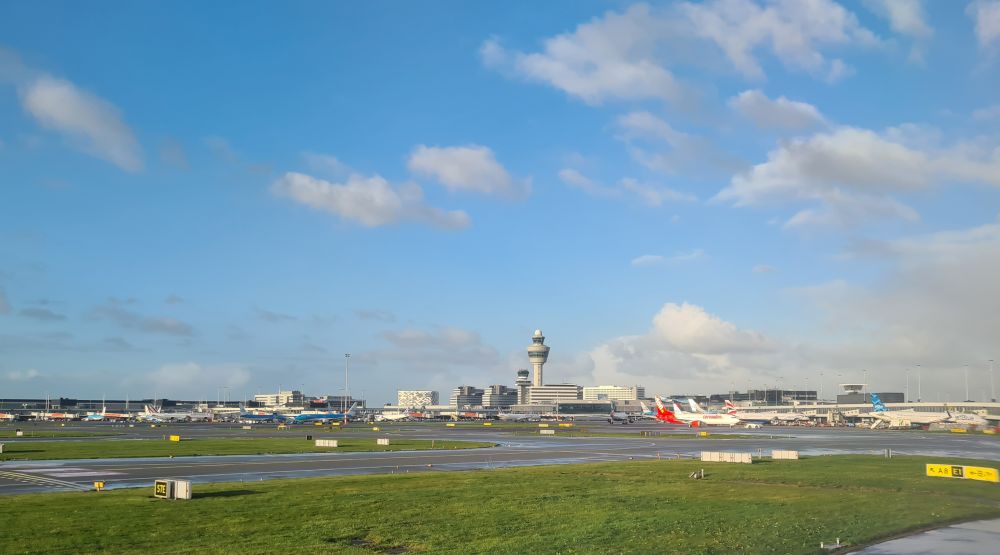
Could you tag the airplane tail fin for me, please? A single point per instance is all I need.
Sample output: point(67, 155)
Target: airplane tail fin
point(695, 407)
point(663, 414)
point(677, 408)
point(877, 403)
point(730, 407)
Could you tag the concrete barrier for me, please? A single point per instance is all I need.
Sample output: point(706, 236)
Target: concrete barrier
point(326, 443)
point(382, 441)
point(785, 455)
point(722, 456)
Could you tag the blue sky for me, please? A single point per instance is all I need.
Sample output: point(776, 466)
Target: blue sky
point(687, 196)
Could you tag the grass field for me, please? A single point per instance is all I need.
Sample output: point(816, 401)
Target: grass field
point(635, 507)
point(230, 446)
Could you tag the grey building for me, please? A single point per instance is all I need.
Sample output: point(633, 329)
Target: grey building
point(499, 396)
point(466, 395)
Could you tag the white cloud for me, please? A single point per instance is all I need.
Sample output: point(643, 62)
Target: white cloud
point(986, 13)
point(936, 306)
point(648, 260)
point(465, 168)
point(574, 178)
point(655, 144)
point(906, 17)
point(194, 380)
point(987, 113)
point(370, 201)
point(94, 124)
point(610, 57)
point(650, 195)
point(780, 113)
point(851, 172)
point(125, 318)
point(326, 164)
point(628, 55)
point(763, 269)
point(793, 30)
point(23, 375)
point(685, 349)
point(659, 260)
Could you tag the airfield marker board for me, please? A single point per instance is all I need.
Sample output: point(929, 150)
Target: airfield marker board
point(965, 472)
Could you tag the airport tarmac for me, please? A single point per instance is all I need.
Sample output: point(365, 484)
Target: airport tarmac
point(526, 448)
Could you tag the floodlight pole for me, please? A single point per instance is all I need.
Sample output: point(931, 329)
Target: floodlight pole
point(993, 394)
point(347, 368)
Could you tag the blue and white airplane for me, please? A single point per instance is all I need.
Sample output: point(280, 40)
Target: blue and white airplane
point(253, 417)
point(322, 416)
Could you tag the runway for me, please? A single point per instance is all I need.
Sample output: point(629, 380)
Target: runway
point(524, 449)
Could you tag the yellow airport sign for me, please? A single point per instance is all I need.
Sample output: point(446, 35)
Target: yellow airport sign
point(566, 425)
point(175, 438)
point(703, 434)
point(958, 430)
point(450, 425)
point(99, 486)
point(965, 472)
point(543, 425)
point(487, 423)
point(375, 429)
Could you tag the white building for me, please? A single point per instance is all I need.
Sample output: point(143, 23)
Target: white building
point(281, 398)
point(549, 394)
point(614, 393)
point(416, 398)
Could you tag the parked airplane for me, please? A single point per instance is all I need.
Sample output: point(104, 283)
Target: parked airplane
point(646, 411)
point(392, 416)
point(705, 419)
point(261, 417)
point(323, 416)
point(155, 415)
point(664, 415)
point(105, 415)
point(770, 416)
point(519, 417)
point(8, 416)
point(622, 417)
point(967, 419)
point(898, 417)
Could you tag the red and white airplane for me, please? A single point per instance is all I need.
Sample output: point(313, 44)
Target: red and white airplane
point(663, 414)
point(705, 419)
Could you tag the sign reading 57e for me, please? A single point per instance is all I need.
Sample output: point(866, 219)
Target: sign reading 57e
point(163, 489)
point(966, 472)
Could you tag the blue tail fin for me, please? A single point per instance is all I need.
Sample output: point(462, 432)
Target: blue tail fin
point(877, 402)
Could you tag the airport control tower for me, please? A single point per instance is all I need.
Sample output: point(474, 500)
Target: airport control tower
point(538, 353)
point(522, 383)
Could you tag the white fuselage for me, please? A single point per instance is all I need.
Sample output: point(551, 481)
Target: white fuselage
point(705, 419)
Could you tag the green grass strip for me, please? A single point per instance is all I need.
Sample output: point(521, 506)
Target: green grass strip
point(635, 507)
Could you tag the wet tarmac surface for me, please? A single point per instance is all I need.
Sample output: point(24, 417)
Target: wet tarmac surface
point(524, 448)
point(970, 538)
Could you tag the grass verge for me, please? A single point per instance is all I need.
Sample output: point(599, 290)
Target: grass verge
point(39, 450)
point(636, 507)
